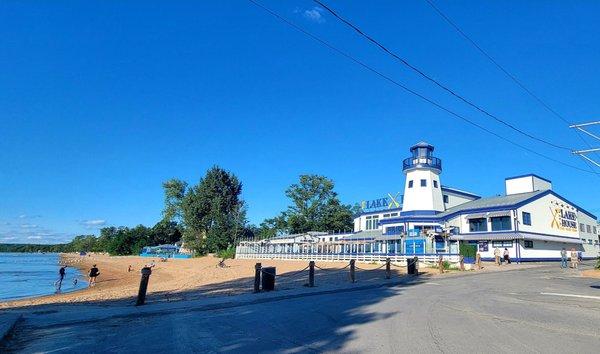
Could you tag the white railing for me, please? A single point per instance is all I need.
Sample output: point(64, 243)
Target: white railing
point(245, 253)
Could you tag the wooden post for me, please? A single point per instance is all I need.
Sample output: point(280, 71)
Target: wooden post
point(311, 274)
point(462, 262)
point(141, 299)
point(441, 264)
point(388, 269)
point(257, 271)
point(478, 260)
point(352, 270)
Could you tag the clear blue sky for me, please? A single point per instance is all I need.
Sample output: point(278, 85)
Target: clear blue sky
point(102, 101)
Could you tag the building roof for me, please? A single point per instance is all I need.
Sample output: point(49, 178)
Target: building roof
point(491, 202)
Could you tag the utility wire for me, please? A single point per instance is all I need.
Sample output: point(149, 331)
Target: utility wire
point(434, 81)
point(396, 83)
point(506, 72)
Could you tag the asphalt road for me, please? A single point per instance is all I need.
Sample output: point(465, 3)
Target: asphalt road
point(536, 310)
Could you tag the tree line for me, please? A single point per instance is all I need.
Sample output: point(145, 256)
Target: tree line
point(210, 217)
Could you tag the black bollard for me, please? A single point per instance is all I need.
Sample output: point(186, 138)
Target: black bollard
point(258, 270)
point(141, 299)
point(352, 270)
point(416, 260)
point(388, 269)
point(311, 274)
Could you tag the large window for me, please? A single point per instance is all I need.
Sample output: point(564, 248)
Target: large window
point(479, 224)
point(501, 223)
point(526, 218)
point(423, 183)
point(502, 244)
point(372, 222)
point(394, 230)
point(410, 184)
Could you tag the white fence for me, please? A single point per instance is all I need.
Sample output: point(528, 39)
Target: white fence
point(359, 257)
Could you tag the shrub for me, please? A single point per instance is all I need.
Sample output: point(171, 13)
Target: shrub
point(598, 263)
point(446, 265)
point(227, 253)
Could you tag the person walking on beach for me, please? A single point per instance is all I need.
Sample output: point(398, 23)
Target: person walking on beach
point(93, 274)
point(506, 256)
point(61, 276)
point(574, 259)
point(563, 258)
point(497, 255)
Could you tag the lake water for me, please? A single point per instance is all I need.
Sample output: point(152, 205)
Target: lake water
point(34, 274)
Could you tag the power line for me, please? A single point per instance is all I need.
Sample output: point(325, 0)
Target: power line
point(434, 81)
point(506, 72)
point(396, 83)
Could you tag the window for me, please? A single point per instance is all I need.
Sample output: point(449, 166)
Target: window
point(423, 183)
point(410, 184)
point(590, 241)
point(503, 244)
point(501, 223)
point(479, 224)
point(595, 231)
point(394, 230)
point(435, 185)
point(526, 218)
point(445, 198)
point(386, 215)
point(528, 244)
point(581, 227)
point(372, 222)
point(394, 214)
point(589, 229)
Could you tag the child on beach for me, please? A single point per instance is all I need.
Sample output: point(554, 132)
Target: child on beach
point(61, 276)
point(93, 274)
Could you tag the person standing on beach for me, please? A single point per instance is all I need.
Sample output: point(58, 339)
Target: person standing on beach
point(94, 272)
point(61, 276)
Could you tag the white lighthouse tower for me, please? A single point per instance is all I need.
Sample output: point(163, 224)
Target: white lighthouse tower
point(423, 189)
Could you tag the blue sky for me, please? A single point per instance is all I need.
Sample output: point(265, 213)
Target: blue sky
point(102, 101)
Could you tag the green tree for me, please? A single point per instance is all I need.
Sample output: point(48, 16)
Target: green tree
point(174, 190)
point(315, 206)
point(213, 212)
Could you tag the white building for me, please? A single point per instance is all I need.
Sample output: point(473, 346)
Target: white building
point(530, 220)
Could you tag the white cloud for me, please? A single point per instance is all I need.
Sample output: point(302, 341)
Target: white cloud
point(91, 224)
point(9, 238)
point(315, 14)
point(23, 216)
point(34, 237)
point(28, 226)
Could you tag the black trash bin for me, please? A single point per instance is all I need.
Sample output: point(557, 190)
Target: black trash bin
point(268, 278)
point(412, 266)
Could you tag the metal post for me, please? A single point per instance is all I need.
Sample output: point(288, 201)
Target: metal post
point(257, 271)
point(352, 270)
point(141, 299)
point(387, 268)
point(416, 260)
point(311, 274)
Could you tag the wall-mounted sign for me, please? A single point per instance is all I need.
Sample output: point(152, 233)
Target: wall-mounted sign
point(389, 202)
point(564, 217)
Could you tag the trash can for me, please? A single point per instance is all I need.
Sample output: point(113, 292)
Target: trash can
point(412, 265)
point(268, 278)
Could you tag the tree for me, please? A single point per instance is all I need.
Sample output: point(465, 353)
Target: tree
point(174, 190)
point(213, 212)
point(315, 206)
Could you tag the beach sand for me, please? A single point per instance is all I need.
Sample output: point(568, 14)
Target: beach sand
point(179, 279)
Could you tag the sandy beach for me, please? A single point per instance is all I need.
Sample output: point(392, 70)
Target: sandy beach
point(179, 279)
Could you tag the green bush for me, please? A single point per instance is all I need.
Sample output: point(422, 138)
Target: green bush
point(467, 250)
point(598, 263)
point(446, 265)
point(227, 253)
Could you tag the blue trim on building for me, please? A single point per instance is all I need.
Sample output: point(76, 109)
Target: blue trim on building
point(529, 175)
point(419, 212)
point(457, 192)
